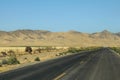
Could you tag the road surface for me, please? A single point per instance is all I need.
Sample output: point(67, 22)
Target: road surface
point(102, 64)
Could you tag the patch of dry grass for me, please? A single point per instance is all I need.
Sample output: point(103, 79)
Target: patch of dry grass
point(27, 58)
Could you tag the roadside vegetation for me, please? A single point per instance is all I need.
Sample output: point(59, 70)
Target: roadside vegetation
point(10, 61)
point(37, 59)
point(116, 49)
point(72, 50)
point(10, 57)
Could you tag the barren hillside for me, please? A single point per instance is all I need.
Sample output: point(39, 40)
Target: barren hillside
point(47, 38)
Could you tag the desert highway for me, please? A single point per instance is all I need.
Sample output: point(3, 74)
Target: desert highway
point(102, 64)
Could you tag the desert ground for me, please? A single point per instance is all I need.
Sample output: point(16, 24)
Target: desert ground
point(26, 58)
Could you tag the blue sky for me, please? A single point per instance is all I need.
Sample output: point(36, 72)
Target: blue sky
point(60, 15)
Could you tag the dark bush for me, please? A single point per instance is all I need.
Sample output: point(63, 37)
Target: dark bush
point(37, 59)
point(0, 64)
point(4, 61)
point(73, 50)
point(13, 60)
point(4, 54)
point(28, 49)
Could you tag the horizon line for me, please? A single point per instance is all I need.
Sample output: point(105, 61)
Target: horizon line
point(56, 31)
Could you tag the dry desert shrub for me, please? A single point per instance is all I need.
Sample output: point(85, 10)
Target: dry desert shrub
point(37, 59)
point(28, 49)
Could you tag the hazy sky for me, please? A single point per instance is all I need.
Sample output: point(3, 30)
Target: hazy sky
point(60, 15)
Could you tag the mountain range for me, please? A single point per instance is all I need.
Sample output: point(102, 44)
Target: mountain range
point(47, 38)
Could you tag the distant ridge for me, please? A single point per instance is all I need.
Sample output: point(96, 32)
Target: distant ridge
point(48, 38)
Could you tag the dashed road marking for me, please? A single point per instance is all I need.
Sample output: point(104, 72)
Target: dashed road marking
point(60, 76)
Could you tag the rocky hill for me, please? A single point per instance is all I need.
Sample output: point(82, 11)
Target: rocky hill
point(47, 38)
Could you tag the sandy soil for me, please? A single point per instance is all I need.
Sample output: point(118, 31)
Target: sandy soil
point(29, 59)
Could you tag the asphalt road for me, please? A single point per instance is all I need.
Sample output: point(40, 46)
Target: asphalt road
point(102, 64)
point(105, 65)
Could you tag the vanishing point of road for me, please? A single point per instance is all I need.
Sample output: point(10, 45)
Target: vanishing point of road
point(102, 64)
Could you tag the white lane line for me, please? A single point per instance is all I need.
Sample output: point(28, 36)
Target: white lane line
point(60, 76)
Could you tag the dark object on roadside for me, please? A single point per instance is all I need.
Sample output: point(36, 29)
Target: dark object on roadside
point(37, 59)
point(10, 61)
point(0, 64)
point(4, 54)
point(13, 60)
point(4, 61)
point(28, 49)
point(25, 58)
